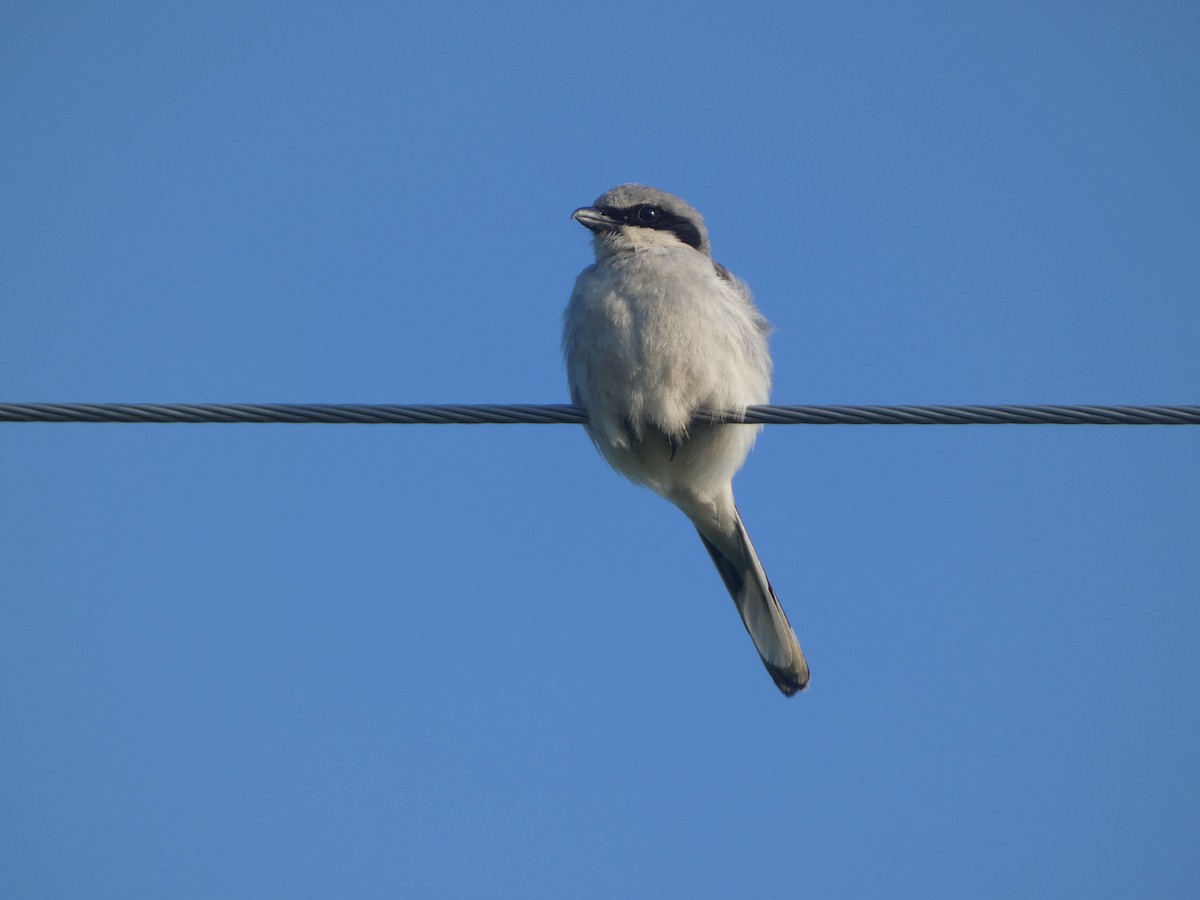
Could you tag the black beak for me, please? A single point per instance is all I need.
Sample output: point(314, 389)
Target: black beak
point(596, 220)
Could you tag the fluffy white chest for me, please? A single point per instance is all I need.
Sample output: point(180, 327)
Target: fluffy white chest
point(654, 336)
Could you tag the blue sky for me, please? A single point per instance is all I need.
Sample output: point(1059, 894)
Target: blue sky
point(321, 661)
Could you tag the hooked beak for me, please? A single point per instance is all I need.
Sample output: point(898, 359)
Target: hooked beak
point(596, 220)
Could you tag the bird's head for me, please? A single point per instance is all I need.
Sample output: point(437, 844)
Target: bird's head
point(633, 215)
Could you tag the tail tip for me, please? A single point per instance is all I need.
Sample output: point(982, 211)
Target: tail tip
point(789, 681)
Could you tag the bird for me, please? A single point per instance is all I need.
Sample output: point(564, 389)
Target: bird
point(655, 333)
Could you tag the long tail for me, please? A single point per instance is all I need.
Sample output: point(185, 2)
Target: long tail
point(758, 606)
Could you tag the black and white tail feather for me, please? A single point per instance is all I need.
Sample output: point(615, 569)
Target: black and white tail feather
point(761, 611)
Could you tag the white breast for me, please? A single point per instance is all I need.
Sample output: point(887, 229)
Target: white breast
point(654, 336)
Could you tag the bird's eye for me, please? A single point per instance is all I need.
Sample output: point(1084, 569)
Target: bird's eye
point(648, 215)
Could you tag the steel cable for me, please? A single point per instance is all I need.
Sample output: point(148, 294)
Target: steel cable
point(565, 414)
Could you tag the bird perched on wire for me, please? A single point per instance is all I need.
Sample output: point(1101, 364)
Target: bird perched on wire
point(656, 332)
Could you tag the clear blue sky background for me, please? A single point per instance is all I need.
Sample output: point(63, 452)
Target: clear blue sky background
point(247, 661)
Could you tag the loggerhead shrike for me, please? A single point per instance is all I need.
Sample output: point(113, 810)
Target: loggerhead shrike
point(655, 332)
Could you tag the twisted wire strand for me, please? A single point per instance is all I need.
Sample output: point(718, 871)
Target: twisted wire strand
point(565, 414)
